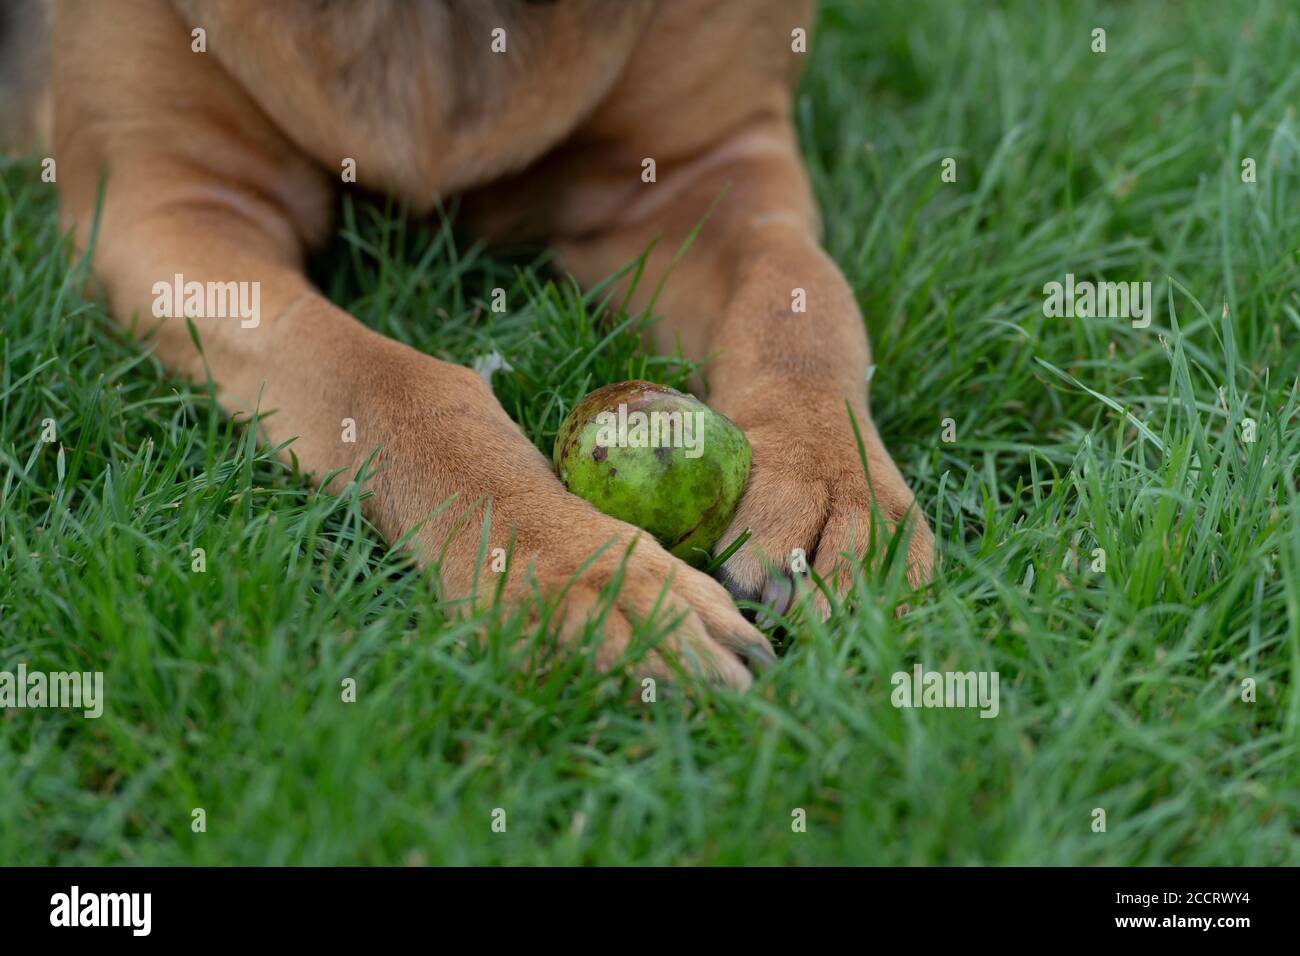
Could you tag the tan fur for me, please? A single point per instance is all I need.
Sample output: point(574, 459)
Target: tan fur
point(222, 166)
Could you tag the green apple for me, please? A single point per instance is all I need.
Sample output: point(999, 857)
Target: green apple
point(657, 458)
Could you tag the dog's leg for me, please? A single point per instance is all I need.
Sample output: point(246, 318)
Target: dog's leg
point(197, 183)
point(757, 296)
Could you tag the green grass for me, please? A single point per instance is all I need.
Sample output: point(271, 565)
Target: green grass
point(1119, 690)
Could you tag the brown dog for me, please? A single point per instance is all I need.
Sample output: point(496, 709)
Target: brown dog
point(221, 128)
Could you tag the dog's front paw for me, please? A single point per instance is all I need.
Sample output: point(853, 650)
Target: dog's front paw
point(477, 501)
point(596, 571)
point(808, 506)
point(711, 638)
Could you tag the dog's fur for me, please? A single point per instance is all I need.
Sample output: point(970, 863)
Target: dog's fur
point(222, 166)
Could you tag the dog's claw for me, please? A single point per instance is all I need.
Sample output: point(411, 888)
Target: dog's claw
point(778, 592)
point(734, 588)
point(758, 656)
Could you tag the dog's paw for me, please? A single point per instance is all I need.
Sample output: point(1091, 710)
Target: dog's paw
point(595, 570)
point(480, 505)
point(808, 506)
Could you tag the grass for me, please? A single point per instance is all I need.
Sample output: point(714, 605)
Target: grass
point(1120, 690)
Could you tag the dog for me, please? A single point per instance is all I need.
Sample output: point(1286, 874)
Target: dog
point(221, 132)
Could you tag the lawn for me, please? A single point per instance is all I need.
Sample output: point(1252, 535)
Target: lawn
point(1160, 690)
